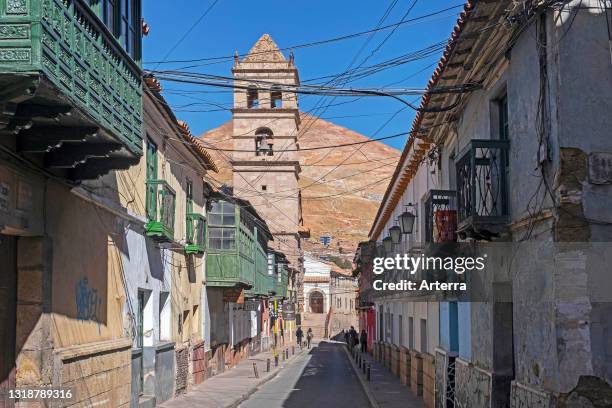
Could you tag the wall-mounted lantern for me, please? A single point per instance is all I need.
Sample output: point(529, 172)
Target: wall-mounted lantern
point(395, 232)
point(407, 221)
point(388, 244)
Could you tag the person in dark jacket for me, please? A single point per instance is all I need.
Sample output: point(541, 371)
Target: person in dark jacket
point(299, 334)
point(353, 337)
point(346, 336)
point(363, 339)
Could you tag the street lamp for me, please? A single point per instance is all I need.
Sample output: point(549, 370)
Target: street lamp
point(388, 244)
point(407, 221)
point(395, 232)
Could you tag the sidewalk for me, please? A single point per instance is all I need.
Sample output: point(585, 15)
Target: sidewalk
point(384, 389)
point(235, 385)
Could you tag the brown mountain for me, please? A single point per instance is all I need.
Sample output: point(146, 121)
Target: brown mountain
point(341, 187)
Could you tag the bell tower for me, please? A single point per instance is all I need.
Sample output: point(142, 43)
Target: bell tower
point(265, 162)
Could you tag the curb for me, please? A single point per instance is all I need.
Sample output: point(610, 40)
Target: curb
point(363, 381)
point(264, 380)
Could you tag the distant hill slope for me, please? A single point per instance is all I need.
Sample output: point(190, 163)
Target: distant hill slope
point(342, 203)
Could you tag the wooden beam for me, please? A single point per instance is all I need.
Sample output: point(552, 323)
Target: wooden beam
point(69, 155)
point(33, 111)
point(42, 139)
point(96, 167)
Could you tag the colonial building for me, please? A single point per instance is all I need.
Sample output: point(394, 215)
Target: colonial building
point(343, 301)
point(163, 255)
point(265, 164)
point(512, 162)
point(71, 98)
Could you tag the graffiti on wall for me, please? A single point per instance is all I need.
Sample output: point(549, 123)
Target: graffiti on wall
point(87, 300)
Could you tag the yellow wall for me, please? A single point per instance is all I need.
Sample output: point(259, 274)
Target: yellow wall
point(87, 293)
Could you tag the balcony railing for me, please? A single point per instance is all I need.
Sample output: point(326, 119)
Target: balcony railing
point(161, 200)
point(195, 234)
point(232, 254)
point(281, 281)
point(482, 196)
point(59, 61)
point(441, 216)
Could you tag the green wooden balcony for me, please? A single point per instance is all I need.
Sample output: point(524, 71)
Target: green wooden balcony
point(195, 234)
point(261, 281)
point(278, 275)
point(230, 245)
point(70, 95)
point(161, 202)
point(236, 248)
point(280, 283)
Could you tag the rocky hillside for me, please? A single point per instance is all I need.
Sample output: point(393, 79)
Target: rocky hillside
point(341, 187)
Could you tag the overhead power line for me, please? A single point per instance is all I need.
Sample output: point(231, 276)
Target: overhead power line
point(320, 42)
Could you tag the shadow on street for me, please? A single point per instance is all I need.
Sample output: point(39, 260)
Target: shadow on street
point(327, 380)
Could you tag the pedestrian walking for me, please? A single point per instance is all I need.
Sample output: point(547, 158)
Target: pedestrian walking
point(309, 336)
point(282, 333)
point(353, 338)
point(346, 336)
point(298, 335)
point(363, 339)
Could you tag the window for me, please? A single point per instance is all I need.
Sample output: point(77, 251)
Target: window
point(188, 196)
point(502, 106)
point(423, 336)
point(264, 142)
point(400, 329)
point(276, 98)
point(411, 333)
point(151, 195)
point(264, 187)
point(122, 17)
point(109, 15)
point(252, 97)
point(222, 230)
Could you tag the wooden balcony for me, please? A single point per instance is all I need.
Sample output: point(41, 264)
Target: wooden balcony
point(161, 202)
point(70, 96)
point(195, 234)
point(229, 252)
point(482, 191)
point(260, 287)
point(279, 281)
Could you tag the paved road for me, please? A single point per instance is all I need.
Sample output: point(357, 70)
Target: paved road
point(322, 378)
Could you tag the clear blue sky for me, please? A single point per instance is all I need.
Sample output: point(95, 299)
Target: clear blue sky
point(236, 25)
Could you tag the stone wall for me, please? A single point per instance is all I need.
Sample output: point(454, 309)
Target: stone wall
point(98, 373)
point(182, 370)
point(199, 363)
point(404, 372)
point(416, 373)
point(395, 360)
point(441, 379)
point(429, 380)
point(472, 385)
point(525, 397)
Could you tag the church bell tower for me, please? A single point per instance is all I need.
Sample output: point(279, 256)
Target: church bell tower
point(265, 161)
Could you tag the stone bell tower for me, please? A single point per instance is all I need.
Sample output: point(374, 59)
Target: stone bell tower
point(266, 120)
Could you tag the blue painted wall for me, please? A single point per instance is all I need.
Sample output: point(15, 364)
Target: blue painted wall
point(465, 330)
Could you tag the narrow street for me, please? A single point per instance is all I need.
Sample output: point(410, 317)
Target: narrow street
point(321, 378)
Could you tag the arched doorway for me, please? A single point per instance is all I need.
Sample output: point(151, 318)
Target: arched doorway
point(316, 302)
